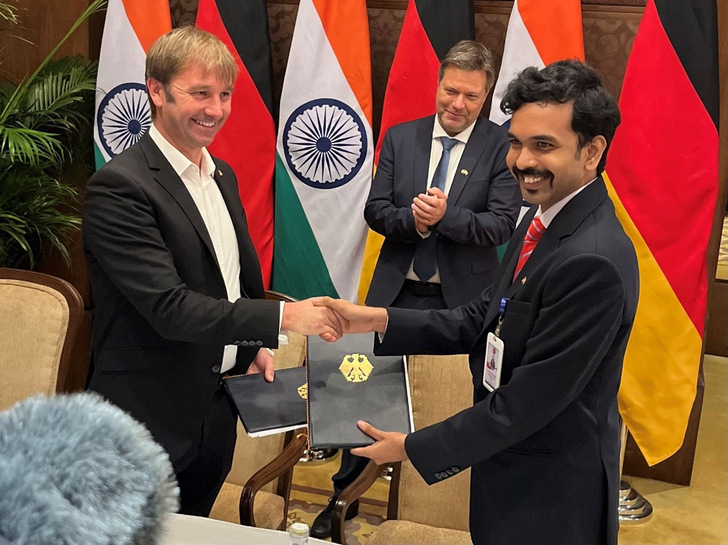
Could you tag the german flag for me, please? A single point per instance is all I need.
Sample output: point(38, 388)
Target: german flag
point(663, 176)
point(429, 30)
point(247, 141)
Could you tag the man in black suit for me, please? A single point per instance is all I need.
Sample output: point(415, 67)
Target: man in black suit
point(543, 438)
point(443, 197)
point(178, 293)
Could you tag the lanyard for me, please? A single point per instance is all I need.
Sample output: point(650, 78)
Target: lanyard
point(501, 314)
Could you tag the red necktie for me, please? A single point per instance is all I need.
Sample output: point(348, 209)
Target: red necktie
point(535, 231)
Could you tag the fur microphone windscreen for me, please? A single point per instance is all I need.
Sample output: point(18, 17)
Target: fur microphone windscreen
point(76, 470)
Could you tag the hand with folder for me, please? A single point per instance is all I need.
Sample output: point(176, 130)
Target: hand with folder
point(388, 446)
point(263, 363)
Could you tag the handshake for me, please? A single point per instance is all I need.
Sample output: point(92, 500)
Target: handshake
point(331, 318)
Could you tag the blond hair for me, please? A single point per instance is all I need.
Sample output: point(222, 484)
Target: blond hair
point(171, 53)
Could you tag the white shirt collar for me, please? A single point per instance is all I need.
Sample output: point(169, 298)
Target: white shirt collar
point(548, 216)
point(463, 136)
point(177, 159)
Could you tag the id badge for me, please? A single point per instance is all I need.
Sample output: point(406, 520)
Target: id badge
point(493, 362)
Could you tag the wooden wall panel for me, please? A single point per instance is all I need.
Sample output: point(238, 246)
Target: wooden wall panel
point(43, 24)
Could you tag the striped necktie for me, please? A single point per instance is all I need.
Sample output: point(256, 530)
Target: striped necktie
point(535, 231)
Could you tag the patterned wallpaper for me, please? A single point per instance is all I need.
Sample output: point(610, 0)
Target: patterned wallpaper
point(609, 30)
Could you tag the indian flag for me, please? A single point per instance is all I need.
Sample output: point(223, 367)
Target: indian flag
point(122, 107)
point(538, 34)
point(324, 152)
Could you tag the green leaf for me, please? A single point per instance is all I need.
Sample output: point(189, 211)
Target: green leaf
point(41, 122)
point(21, 145)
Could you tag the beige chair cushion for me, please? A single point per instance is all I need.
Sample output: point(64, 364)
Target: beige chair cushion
point(403, 532)
point(291, 354)
point(32, 332)
point(440, 386)
point(251, 454)
point(268, 507)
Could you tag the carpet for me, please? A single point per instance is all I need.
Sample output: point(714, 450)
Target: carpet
point(306, 503)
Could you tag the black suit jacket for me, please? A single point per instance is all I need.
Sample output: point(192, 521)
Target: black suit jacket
point(482, 207)
point(162, 316)
point(544, 447)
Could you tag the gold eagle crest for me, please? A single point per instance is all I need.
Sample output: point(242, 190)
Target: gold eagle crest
point(356, 367)
point(303, 391)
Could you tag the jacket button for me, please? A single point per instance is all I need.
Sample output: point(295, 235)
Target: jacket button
point(244, 343)
point(216, 368)
point(258, 343)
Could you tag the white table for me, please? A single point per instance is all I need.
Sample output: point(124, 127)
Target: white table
point(189, 530)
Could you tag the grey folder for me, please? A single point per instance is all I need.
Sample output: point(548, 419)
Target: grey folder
point(346, 383)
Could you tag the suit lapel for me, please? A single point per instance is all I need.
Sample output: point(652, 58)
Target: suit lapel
point(250, 275)
point(229, 191)
point(506, 288)
point(468, 161)
point(423, 145)
point(562, 227)
point(165, 175)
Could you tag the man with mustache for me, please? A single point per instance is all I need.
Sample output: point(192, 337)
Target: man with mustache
point(177, 287)
point(542, 437)
point(444, 199)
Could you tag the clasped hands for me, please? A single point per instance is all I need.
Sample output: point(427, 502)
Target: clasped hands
point(314, 316)
point(331, 318)
point(428, 208)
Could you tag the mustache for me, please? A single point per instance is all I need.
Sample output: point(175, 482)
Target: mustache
point(532, 172)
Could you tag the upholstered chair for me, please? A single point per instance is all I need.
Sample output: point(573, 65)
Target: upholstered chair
point(40, 315)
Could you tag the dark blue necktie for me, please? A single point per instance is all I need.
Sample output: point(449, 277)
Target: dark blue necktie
point(425, 262)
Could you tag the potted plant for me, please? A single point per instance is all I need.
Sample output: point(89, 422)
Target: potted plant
point(42, 120)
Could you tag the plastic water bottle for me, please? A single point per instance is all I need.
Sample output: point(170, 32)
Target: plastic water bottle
point(299, 533)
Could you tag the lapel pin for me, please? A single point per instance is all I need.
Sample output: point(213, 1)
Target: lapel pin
point(219, 172)
point(464, 172)
point(523, 280)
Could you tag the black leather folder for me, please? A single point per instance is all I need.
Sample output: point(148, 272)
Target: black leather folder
point(266, 408)
point(346, 383)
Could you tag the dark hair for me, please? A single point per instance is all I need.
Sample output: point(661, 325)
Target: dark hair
point(595, 111)
point(469, 55)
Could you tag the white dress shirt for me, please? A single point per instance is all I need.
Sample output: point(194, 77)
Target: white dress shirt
point(204, 191)
point(548, 216)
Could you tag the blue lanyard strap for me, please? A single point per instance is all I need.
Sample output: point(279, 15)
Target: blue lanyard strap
point(501, 314)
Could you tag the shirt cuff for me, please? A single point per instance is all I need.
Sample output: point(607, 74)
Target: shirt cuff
point(282, 335)
point(380, 336)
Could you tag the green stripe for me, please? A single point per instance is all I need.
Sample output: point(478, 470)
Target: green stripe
point(99, 157)
point(299, 268)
